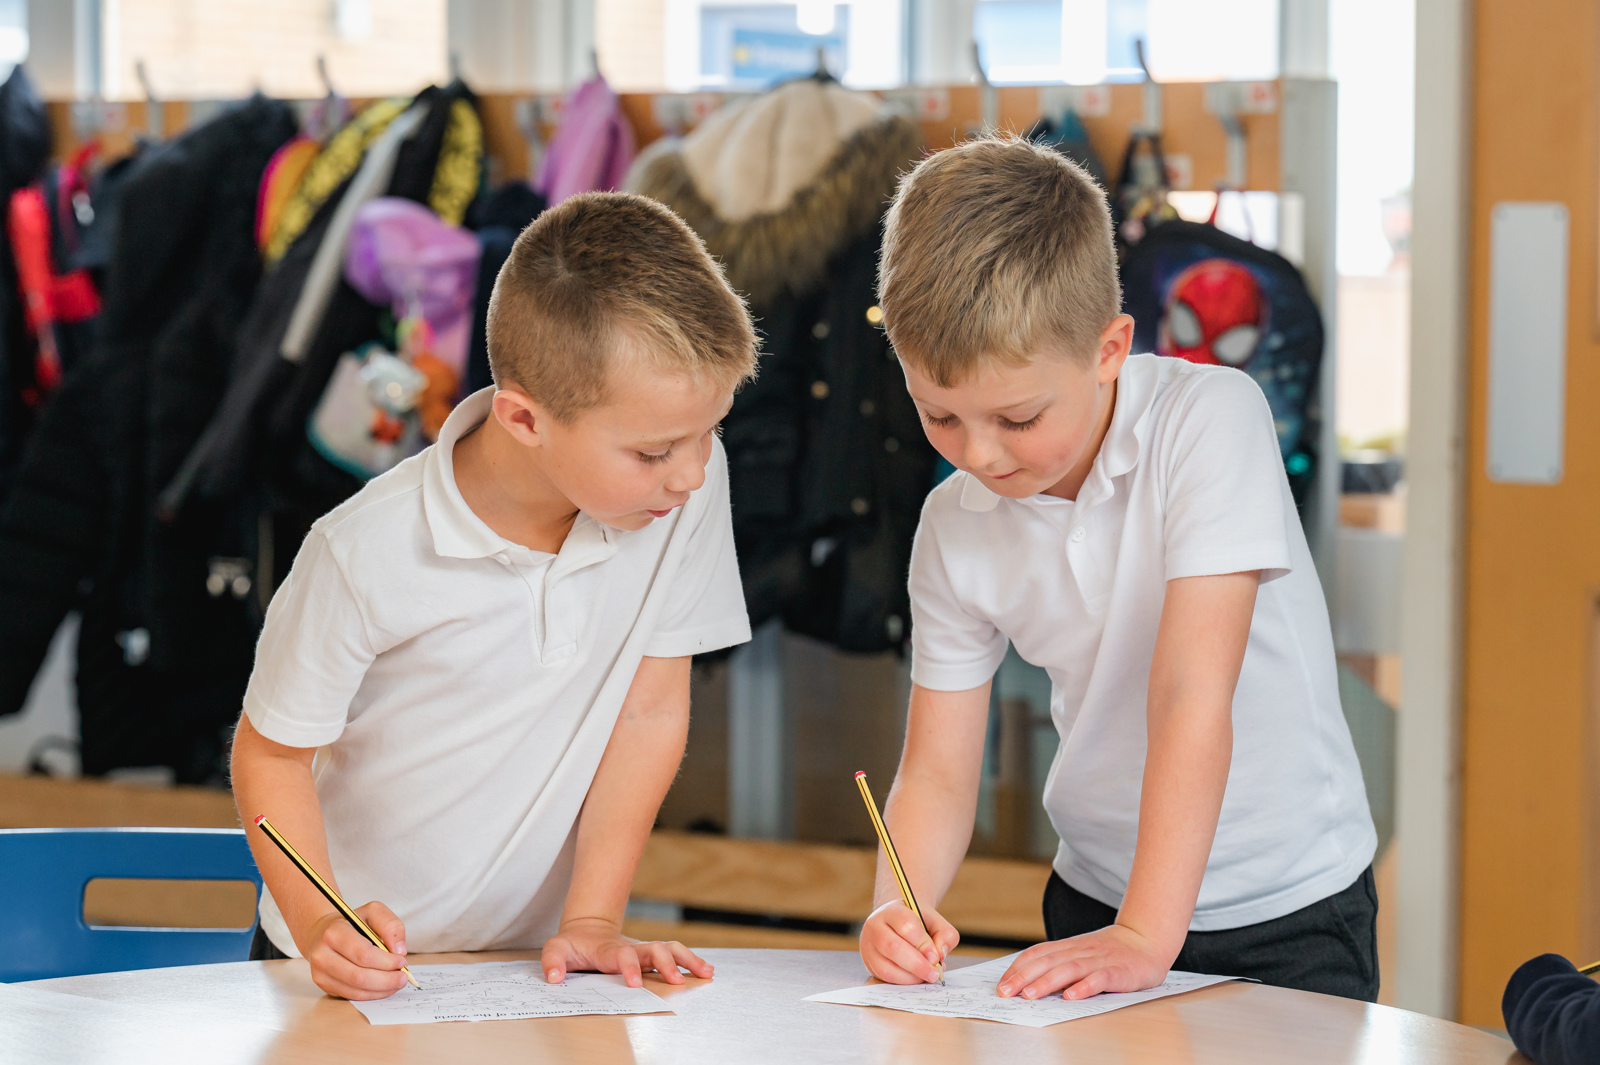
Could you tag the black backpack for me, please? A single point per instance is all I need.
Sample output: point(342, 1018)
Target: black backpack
point(1200, 294)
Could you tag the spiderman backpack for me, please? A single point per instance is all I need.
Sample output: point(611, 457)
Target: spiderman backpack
point(1200, 294)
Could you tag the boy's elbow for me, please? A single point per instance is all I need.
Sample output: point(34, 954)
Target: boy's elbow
point(251, 750)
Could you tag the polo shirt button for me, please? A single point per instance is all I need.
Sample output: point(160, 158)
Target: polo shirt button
point(819, 389)
point(1078, 534)
point(820, 330)
point(858, 506)
point(502, 559)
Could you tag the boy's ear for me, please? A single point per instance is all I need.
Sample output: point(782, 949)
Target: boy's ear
point(520, 415)
point(1115, 344)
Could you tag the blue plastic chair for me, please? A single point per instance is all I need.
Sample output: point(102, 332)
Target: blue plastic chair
point(43, 873)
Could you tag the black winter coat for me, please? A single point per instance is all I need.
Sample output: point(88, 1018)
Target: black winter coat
point(161, 664)
point(256, 441)
point(24, 151)
point(828, 465)
point(827, 462)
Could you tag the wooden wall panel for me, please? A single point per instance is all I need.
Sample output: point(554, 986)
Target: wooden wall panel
point(1533, 553)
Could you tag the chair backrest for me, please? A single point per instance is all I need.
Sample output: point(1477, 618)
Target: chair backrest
point(43, 873)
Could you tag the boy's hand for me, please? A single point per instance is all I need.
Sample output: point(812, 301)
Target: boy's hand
point(591, 943)
point(897, 950)
point(1115, 958)
point(345, 964)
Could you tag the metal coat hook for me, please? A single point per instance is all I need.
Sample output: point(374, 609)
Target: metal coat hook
point(1238, 150)
point(1230, 101)
point(594, 64)
point(1150, 121)
point(152, 108)
point(988, 95)
point(455, 65)
point(322, 76)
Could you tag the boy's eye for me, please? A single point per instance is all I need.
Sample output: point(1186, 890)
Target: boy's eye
point(944, 422)
point(649, 459)
point(1017, 427)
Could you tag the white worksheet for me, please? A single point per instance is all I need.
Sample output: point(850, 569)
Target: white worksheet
point(970, 992)
point(505, 991)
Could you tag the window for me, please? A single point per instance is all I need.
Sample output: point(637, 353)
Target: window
point(752, 46)
point(748, 45)
point(209, 49)
point(13, 34)
point(1083, 42)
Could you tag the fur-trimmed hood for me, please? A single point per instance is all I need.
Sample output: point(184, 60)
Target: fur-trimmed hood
point(776, 185)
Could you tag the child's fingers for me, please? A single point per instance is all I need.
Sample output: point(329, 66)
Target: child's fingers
point(554, 960)
point(687, 958)
point(338, 975)
point(1089, 986)
point(895, 949)
point(1029, 966)
point(891, 973)
point(628, 967)
point(945, 936)
point(1058, 977)
point(383, 921)
point(661, 960)
point(358, 949)
point(910, 929)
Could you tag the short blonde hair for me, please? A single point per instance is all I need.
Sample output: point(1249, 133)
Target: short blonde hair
point(600, 271)
point(994, 249)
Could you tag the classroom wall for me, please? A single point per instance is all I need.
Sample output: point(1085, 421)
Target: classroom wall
point(1532, 553)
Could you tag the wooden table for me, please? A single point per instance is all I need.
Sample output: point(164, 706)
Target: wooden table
point(751, 1013)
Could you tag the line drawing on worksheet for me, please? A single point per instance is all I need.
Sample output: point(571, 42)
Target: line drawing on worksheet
point(505, 990)
point(970, 992)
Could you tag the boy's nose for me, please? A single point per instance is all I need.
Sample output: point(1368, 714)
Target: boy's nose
point(686, 476)
point(979, 451)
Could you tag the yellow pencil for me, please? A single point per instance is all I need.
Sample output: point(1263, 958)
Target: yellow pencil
point(327, 890)
point(1590, 969)
point(894, 859)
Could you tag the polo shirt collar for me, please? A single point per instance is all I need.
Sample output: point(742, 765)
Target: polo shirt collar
point(1119, 451)
point(459, 533)
point(1136, 385)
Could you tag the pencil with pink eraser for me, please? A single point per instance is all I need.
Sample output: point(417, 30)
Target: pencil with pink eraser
point(894, 859)
point(327, 891)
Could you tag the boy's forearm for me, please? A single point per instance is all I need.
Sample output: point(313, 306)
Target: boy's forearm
point(640, 761)
point(1186, 772)
point(1199, 651)
point(931, 829)
point(271, 779)
point(931, 807)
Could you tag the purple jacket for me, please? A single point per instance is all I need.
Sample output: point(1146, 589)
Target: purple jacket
point(593, 147)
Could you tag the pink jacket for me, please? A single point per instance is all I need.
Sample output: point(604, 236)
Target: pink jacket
point(593, 147)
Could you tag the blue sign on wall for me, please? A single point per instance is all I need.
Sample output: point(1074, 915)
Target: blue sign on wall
point(768, 56)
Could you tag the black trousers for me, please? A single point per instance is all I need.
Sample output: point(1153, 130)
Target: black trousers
point(1330, 946)
point(262, 948)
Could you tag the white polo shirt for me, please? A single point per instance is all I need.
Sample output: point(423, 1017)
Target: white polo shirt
point(462, 688)
point(1188, 482)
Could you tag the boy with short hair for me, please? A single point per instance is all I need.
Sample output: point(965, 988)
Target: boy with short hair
point(472, 691)
point(1125, 522)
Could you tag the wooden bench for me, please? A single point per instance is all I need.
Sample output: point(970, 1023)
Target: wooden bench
point(991, 899)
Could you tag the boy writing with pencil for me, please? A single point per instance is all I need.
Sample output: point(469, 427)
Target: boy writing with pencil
point(472, 691)
point(1124, 521)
